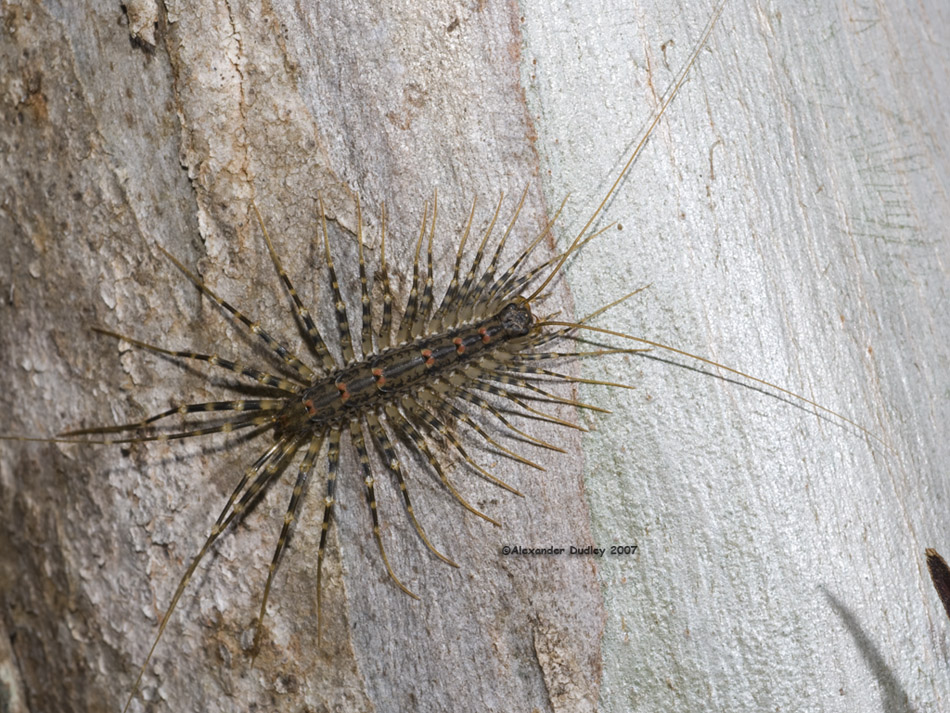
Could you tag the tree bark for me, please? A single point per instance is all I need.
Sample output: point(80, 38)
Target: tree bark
point(790, 216)
point(159, 126)
point(789, 213)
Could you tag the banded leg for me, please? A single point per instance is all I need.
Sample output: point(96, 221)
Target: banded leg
point(211, 406)
point(356, 434)
point(484, 405)
point(442, 402)
point(436, 426)
point(488, 276)
point(408, 433)
point(288, 448)
point(228, 427)
point(567, 333)
point(314, 339)
point(261, 377)
point(385, 337)
point(288, 357)
point(533, 413)
point(366, 319)
point(445, 307)
point(548, 397)
point(512, 284)
point(412, 305)
point(386, 449)
point(425, 304)
point(499, 291)
point(333, 467)
point(463, 310)
point(342, 323)
point(539, 372)
point(224, 519)
point(554, 356)
point(303, 475)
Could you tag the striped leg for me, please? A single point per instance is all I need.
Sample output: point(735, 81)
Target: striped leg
point(499, 291)
point(548, 397)
point(385, 337)
point(553, 356)
point(211, 406)
point(526, 369)
point(412, 305)
point(448, 301)
point(227, 427)
point(463, 309)
point(356, 434)
point(531, 412)
point(342, 323)
point(386, 449)
point(508, 289)
point(443, 403)
point(263, 378)
point(286, 356)
point(425, 304)
point(366, 319)
point(314, 339)
point(407, 431)
point(252, 493)
point(303, 475)
point(274, 453)
point(481, 290)
point(333, 467)
point(483, 404)
point(424, 416)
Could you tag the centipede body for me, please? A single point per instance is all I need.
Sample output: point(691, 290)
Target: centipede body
point(228, 260)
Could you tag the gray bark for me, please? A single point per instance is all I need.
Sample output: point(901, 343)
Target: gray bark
point(790, 212)
point(120, 141)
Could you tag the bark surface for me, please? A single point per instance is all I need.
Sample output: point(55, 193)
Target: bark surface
point(790, 213)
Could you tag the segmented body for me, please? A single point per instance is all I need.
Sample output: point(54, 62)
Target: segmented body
point(436, 360)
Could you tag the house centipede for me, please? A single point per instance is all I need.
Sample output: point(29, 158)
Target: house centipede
point(264, 406)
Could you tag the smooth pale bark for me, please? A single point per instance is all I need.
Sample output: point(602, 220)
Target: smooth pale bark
point(790, 213)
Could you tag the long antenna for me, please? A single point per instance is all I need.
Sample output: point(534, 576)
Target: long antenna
point(636, 151)
point(710, 362)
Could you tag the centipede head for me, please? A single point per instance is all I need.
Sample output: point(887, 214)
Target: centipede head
point(516, 318)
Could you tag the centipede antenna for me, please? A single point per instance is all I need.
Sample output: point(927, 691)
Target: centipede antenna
point(639, 147)
point(744, 375)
